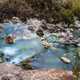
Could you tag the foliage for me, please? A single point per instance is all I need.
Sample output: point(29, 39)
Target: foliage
point(12, 8)
point(48, 9)
point(74, 6)
point(76, 67)
point(52, 11)
point(68, 16)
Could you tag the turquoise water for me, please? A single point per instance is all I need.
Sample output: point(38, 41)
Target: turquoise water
point(50, 59)
point(24, 49)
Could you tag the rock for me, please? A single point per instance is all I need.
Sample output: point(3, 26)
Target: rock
point(40, 33)
point(26, 64)
point(63, 34)
point(12, 72)
point(15, 20)
point(35, 23)
point(44, 25)
point(46, 44)
point(31, 28)
point(77, 23)
point(1, 28)
point(78, 45)
point(51, 28)
point(65, 60)
point(9, 40)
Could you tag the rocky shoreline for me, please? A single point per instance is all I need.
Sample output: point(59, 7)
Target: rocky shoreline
point(60, 18)
point(61, 30)
point(13, 72)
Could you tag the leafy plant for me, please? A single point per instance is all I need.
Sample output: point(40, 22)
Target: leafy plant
point(68, 16)
point(76, 67)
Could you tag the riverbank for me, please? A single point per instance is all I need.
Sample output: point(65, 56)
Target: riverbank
point(59, 19)
point(12, 72)
point(52, 11)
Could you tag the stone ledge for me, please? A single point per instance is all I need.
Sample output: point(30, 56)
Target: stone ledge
point(12, 72)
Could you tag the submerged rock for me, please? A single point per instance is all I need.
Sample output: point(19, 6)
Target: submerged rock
point(35, 23)
point(1, 28)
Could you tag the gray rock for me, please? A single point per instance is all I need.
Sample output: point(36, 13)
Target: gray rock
point(1, 28)
point(15, 20)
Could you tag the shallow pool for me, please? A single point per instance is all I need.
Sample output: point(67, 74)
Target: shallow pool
point(24, 49)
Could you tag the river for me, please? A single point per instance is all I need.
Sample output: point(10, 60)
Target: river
point(27, 44)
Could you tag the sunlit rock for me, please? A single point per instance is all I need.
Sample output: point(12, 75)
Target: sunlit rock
point(35, 23)
point(51, 28)
point(65, 60)
point(63, 34)
point(78, 45)
point(15, 20)
point(46, 44)
point(77, 23)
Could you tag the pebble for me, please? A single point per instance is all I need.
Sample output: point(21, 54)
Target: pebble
point(46, 44)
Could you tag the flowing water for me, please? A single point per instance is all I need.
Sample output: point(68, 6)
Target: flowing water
point(28, 44)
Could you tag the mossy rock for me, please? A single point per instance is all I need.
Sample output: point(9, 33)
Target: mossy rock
point(25, 65)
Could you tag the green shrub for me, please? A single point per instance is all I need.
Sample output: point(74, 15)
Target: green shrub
point(46, 9)
point(52, 11)
point(68, 16)
point(74, 5)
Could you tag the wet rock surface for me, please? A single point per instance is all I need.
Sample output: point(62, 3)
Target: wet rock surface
point(12, 72)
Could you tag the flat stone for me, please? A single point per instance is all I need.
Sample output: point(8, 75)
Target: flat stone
point(65, 60)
